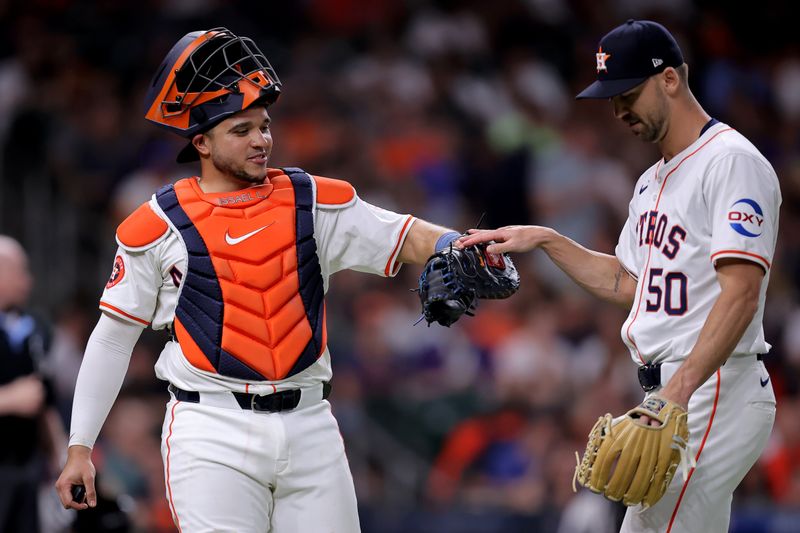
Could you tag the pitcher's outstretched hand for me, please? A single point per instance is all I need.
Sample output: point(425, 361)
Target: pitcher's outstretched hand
point(508, 238)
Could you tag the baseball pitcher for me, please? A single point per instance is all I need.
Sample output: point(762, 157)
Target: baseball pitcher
point(692, 265)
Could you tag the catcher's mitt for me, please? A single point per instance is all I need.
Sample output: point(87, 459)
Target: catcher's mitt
point(646, 456)
point(454, 278)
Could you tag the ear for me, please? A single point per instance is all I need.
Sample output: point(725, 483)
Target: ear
point(201, 143)
point(671, 80)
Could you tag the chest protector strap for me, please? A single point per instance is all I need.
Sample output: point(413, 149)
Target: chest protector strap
point(312, 290)
point(201, 307)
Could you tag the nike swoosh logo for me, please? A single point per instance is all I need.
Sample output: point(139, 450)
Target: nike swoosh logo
point(236, 240)
point(643, 188)
point(764, 382)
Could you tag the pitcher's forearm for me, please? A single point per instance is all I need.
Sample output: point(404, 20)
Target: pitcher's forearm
point(600, 274)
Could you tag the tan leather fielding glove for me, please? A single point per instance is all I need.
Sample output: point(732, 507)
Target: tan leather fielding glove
point(645, 456)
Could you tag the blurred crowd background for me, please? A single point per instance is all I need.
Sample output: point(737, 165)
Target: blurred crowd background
point(443, 109)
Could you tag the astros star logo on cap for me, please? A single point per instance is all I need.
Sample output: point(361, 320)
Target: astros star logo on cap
point(640, 49)
point(601, 59)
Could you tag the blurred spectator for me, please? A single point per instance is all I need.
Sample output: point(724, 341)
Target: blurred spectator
point(483, 459)
point(30, 424)
point(74, 323)
point(781, 459)
point(588, 514)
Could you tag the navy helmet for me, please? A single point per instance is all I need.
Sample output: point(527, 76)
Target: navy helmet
point(205, 78)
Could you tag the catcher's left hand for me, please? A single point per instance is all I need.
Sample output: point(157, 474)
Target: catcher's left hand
point(645, 456)
point(454, 278)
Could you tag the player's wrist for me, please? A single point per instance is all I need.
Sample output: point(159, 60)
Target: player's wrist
point(677, 391)
point(445, 240)
point(547, 237)
point(79, 451)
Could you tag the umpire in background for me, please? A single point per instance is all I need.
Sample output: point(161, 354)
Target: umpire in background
point(28, 420)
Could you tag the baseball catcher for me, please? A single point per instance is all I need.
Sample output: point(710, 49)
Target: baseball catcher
point(646, 456)
point(235, 262)
point(454, 278)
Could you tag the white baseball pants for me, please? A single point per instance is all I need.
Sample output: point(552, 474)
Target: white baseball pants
point(730, 419)
point(234, 470)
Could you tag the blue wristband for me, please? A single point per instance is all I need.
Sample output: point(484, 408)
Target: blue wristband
point(445, 240)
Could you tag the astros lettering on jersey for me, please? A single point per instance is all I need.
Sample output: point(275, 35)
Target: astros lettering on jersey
point(717, 198)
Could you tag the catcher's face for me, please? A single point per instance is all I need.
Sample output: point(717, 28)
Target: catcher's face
point(239, 147)
point(644, 109)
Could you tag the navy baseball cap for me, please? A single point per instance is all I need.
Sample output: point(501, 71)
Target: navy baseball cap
point(629, 54)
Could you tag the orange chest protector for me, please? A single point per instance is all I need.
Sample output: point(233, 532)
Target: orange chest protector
point(251, 304)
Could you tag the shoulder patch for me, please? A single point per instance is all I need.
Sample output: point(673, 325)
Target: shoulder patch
point(334, 193)
point(117, 273)
point(141, 230)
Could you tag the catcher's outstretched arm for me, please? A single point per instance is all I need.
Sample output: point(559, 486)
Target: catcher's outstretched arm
point(420, 242)
point(601, 274)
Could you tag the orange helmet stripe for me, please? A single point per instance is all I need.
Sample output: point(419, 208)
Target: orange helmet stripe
point(153, 113)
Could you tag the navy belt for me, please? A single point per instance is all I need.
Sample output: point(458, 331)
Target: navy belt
point(285, 400)
point(650, 374)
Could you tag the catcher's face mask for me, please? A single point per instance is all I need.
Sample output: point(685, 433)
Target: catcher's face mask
point(205, 78)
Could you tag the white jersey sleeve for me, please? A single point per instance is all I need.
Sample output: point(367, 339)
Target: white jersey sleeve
point(360, 237)
point(743, 197)
point(105, 362)
point(627, 246)
point(132, 291)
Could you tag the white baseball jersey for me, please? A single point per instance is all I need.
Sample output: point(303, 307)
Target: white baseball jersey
point(145, 284)
point(717, 198)
point(229, 468)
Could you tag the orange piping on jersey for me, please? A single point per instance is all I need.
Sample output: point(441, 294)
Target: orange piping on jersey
point(119, 311)
point(141, 227)
point(697, 457)
point(396, 249)
point(641, 290)
point(169, 450)
point(190, 350)
point(333, 192)
point(739, 252)
point(169, 91)
point(650, 244)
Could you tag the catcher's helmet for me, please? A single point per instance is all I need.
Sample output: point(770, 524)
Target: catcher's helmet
point(205, 78)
